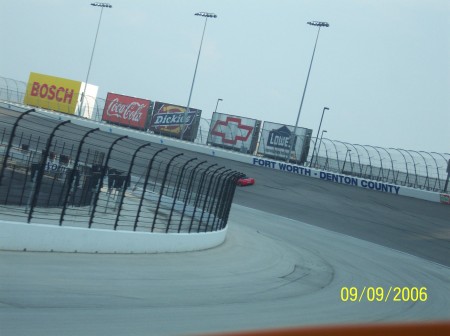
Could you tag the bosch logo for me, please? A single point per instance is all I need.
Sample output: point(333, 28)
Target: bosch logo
point(52, 92)
point(231, 130)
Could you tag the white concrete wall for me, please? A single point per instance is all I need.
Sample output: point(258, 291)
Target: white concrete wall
point(15, 236)
point(346, 179)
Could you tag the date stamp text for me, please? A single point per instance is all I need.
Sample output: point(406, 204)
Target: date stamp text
point(384, 294)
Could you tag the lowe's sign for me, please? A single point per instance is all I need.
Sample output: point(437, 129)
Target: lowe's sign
point(280, 138)
point(277, 140)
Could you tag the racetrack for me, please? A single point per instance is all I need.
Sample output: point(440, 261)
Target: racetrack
point(293, 243)
point(406, 224)
point(271, 272)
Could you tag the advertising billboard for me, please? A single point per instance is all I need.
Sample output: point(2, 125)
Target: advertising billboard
point(234, 132)
point(167, 120)
point(275, 142)
point(126, 111)
point(53, 93)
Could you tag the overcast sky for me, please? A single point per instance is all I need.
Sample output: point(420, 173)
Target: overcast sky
point(382, 67)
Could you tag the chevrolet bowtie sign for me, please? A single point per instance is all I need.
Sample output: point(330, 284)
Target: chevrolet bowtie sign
point(234, 132)
point(231, 130)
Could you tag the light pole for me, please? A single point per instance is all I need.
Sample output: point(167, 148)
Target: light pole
point(318, 149)
point(206, 16)
point(101, 5)
point(320, 25)
point(217, 104)
point(317, 136)
point(345, 160)
point(448, 176)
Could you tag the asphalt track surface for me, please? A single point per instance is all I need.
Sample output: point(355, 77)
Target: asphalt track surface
point(293, 243)
point(406, 224)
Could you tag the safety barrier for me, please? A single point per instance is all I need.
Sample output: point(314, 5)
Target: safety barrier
point(54, 171)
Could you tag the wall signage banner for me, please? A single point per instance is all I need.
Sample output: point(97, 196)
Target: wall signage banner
point(280, 138)
point(126, 111)
point(167, 119)
point(234, 132)
point(275, 141)
point(53, 93)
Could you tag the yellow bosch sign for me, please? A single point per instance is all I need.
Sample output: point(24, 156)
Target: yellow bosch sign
point(53, 93)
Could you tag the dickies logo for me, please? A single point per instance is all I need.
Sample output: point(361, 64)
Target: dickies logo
point(231, 130)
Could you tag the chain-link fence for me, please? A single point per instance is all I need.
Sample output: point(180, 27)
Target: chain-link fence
point(54, 171)
point(417, 169)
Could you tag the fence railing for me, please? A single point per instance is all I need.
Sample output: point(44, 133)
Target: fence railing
point(416, 169)
point(56, 172)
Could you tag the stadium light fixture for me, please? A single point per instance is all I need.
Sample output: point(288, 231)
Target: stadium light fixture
point(217, 104)
point(183, 125)
point(207, 15)
point(320, 25)
point(317, 136)
point(318, 149)
point(101, 5)
point(345, 160)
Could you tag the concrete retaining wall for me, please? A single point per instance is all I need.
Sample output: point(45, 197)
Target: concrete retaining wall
point(17, 236)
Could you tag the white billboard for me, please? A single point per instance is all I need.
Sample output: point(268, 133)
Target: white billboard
point(234, 132)
point(276, 140)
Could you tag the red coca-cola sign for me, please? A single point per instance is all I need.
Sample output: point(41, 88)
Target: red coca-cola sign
point(126, 111)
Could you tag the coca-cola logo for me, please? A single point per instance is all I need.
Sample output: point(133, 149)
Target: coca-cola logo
point(132, 111)
point(125, 110)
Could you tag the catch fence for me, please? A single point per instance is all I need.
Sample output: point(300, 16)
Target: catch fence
point(58, 172)
point(405, 167)
point(416, 169)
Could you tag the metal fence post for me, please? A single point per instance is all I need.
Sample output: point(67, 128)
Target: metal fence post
point(10, 142)
point(200, 187)
point(144, 189)
point(40, 173)
point(414, 163)
point(229, 198)
point(191, 180)
point(445, 160)
point(448, 176)
point(214, 198)
point(220, 200)
point(72, 174)
point(213, 175)
point(437, 168)
point(175, 196)
point(406, 164)
point(100, 182)
point(126, 182)
point(161, 190)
